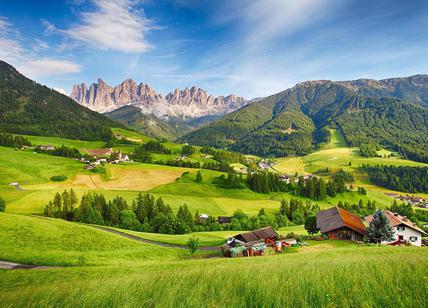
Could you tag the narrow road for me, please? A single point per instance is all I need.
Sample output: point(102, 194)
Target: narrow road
point(136, 238)
point(12, 266)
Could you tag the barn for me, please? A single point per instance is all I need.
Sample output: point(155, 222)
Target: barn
point(339, 224)
point(251, 243)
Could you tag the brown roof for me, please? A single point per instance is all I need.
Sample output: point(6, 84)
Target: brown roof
point(256, 235)
point(396, 220)
point(100, 152)
point(336, 218)
point(224, 219)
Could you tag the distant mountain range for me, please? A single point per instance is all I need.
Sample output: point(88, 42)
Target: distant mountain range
point(27, 107)
point(187, 103)
point(390, 112)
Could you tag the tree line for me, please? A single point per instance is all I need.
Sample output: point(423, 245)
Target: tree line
point(369, 149)
point(7, 140)
point(401, 178)
point(312, 187)
point(62, 151)
point(149, 214)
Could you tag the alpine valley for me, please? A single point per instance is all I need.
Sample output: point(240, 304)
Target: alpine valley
point(192, 154)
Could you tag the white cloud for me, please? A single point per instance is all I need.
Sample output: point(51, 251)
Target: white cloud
point(263, 20)
point(49, 67)
point(114, 24)
point(28, 60)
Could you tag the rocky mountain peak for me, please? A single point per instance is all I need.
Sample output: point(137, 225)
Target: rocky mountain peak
point(190, 102)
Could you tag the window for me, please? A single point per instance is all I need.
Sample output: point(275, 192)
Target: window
point(413, 238)
point(401, 228)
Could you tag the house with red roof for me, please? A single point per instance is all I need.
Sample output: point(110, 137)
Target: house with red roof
point(405, 231)
point(339, 224)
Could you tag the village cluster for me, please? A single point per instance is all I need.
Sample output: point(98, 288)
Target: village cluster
point(102, 156)
point(334, 224)
point(413, 200)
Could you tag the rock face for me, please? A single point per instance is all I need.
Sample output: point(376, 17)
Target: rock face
point(187, 103)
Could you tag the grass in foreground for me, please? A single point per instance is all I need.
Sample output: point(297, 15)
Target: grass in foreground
point(341, 277)
point(43, 241)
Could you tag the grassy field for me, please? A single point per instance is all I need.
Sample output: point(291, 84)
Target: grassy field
point(336, 156)
point(44, 241)
point(117, 272)
point(213, 238)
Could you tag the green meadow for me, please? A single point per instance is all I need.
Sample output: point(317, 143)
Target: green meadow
point(93, 268)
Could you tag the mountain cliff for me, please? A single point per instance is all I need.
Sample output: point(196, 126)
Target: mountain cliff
point(295, 121)
point(187, 103)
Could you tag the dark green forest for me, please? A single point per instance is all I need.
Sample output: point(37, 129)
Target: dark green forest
point(401, 178)
point(27, 107)
point(294, 122)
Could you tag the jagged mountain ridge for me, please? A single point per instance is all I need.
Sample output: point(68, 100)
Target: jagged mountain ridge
point(187, 103)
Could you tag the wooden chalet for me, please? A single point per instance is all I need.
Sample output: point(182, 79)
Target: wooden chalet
point(339, 224)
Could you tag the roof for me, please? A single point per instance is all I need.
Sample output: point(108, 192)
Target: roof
point(396, 219)
point(336, 218)
point(224, 219)
point(256, 235)
point(100, 152)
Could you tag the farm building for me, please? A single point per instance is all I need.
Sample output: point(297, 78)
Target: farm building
point(224, 219)
point(405, 231)
point(252, 243)
point(340, 224)
point(100, 152)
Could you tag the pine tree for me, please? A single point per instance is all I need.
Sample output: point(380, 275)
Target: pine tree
point(57, 203)
point(49, 210)
point(322, 190)
point(66, 204)
point(379, 229)
point(285, 208)
point(73, 199)
point(199, 177)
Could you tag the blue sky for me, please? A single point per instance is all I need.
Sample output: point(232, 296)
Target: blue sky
point(251, 48)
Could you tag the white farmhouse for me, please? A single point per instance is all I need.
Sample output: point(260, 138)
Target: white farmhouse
point(405, 231)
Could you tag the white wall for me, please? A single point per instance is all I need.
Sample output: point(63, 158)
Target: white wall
point(407, 233)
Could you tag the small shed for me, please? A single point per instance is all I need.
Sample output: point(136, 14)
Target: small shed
point(339, 224)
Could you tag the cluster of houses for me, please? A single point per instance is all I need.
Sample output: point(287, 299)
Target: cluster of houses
point(339, 224)
point(103, 156)
point(294, 178)
point(265, 164)
point(255, 243)
point(412, 199)
point(334, 223)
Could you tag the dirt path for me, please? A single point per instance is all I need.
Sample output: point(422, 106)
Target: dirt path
point(17, 187)
point(136, 238)
point(13, 266)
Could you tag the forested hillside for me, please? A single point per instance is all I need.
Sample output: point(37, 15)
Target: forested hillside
point(27, 107)
point(295, 122)
point(148, 124)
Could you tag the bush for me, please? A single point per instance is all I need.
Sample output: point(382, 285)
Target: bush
point(2, 205)
point(58, 178)
point(100, 170)
point(193, 245)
